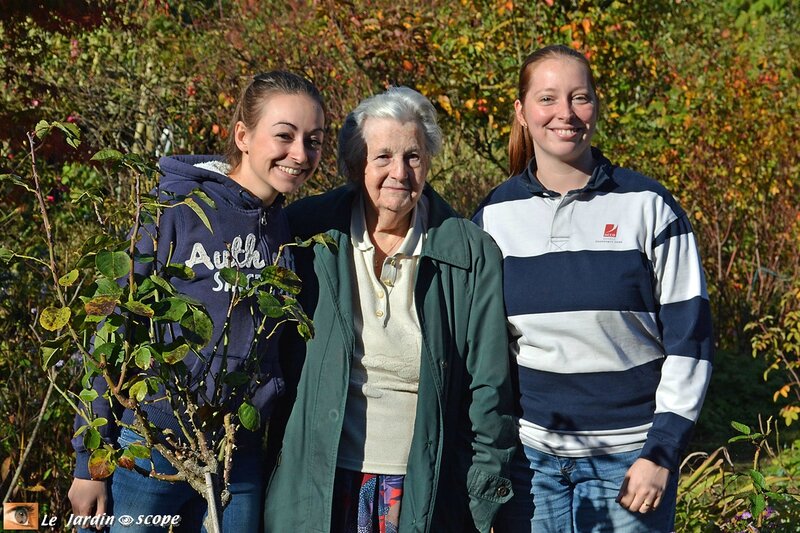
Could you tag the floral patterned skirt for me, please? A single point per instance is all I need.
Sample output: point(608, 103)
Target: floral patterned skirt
point(366, 503)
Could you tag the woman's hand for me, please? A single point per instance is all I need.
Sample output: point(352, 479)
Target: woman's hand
point(88, 497)
point(643, 486)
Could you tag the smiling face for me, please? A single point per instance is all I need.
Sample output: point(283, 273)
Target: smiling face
point(560, 111)
point(283, 149)
point(396, 166)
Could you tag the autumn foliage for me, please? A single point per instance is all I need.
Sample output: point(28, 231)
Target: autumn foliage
point(702, 96)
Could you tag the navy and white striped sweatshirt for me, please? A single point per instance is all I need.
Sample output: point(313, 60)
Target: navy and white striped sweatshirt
point(608, 313)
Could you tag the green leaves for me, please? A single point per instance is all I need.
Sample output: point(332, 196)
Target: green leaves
point(54, 350)
point(249, 416)
point(282, 279)
point(54, 318)
point(269, 305)
point(175, 352)
point(171, 309)
point(108, 154)
point(71, 131)
point(192, 204)
point(142, 357)
point(197, 327)
point(113, 265)
point(68, 279)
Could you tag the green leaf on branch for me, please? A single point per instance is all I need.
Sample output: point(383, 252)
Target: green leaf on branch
point(101, 305)
point(324, 239)
point(54, 318)
point(139, 308)
point(281, 278)
point(42, 129)
point(100, 464)
point(139, 451)
point(68, 279)
point(138, 390)
point(88, 395)
point(113, 265)
point(6, 255)
point(741, 428)
point(249, 416)
point(203, 197)
point(99, 422)
point(180, 271)
point(305, 327)
point(189, 300)
point(53, 351)
point(197, 327)
point(142, 357)
point(757, 504)
point(171, 309)
point(758, 480)
point(233, 277)
point(108, 287)
point(175, 352)
point(16, 180)
point(269, 305)
point(71, 132)
point(193, 205)
point(108, 154)
point(91, 438)
point(160, 282)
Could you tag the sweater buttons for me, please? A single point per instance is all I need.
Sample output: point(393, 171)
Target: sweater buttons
point(502, 491)
point(378, 313)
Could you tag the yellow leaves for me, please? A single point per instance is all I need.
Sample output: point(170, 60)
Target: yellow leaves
point(698, 215)
point(586, 25)
point(469, 104)
point(479, 46)
point(225, 100)
point(790, 413)
point(783, 391)
point(444, 101)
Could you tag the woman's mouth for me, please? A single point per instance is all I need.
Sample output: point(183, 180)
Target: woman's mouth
point(290, 170)
point(566, 132)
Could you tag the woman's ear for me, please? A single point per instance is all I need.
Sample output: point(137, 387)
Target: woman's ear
point(241, 136)
point(518, 113)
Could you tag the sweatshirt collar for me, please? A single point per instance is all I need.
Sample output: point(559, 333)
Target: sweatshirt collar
point(600, 175)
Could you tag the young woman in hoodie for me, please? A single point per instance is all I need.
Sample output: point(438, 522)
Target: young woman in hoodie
point(275, 146)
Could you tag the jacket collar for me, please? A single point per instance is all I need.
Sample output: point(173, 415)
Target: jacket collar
point(441, 243)
point(600, 176)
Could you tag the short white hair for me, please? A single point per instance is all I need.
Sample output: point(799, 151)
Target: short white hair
point(398, 103)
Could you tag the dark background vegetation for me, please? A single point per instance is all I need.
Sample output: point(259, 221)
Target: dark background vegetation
point(703, 96)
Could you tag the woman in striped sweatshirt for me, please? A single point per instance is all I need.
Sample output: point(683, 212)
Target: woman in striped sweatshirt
point(608, 314)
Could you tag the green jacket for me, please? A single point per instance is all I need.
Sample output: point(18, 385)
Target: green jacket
point(464, 433)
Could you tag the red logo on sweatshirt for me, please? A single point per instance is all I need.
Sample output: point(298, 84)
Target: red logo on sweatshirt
point(610, 231)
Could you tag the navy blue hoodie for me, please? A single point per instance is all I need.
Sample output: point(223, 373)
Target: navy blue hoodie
point(245, 233)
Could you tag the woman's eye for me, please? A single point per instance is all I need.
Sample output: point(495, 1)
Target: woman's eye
point(314, 144)
point(284, 136)
point(20, 515)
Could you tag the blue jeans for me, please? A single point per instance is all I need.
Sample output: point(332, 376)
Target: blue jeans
point(135, 495)
point(577, 495)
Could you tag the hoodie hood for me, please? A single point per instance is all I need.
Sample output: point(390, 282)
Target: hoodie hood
point(181, 176)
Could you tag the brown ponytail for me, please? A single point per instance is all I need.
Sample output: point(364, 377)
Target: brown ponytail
point(520, 143)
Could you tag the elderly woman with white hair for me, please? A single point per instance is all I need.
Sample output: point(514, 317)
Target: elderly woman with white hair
point(402, 412)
